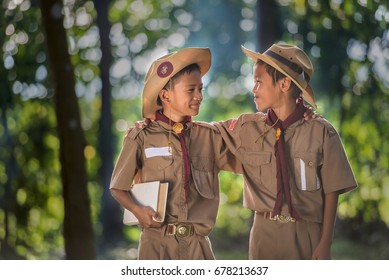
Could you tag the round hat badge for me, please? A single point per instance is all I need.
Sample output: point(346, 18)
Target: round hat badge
point(165, 69)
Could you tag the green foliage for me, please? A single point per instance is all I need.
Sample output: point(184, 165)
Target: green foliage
point(32, 197)
point(232, 217)
point(344, 249)
point(346, 39)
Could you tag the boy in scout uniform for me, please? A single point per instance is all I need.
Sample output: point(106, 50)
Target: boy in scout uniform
point(174, 149)
point(294, 170)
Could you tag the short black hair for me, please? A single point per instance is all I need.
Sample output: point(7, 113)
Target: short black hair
point(186, 70)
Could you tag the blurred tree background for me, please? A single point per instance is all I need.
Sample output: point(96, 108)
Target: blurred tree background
point(110, 45)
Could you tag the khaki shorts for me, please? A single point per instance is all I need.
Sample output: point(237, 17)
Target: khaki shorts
point(273, 240)
point(155, 245)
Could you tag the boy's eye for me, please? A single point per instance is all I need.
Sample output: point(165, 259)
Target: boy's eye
point(194, 89)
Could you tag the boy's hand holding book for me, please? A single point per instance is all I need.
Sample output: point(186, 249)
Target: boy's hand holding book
point(147, 217)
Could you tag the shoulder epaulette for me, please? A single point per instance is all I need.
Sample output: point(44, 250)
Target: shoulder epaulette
point(205, 124)
point(253, 117)
point(133, 132)
point(330, 128)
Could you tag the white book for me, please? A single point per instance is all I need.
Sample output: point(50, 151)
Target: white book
point(153, 194)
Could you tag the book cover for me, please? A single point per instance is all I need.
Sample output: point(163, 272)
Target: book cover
point(153, 194)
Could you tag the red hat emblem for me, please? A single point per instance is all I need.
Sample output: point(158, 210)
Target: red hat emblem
point(165, 69)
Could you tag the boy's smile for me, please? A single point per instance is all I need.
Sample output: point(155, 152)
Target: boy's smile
point(185, 97)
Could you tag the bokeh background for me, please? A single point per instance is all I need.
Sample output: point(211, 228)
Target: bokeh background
point(71, 76)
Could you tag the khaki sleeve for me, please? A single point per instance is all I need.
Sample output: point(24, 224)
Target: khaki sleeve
point(229, 131)
point(336, 172)
point(225, 159)
point(127, 164)
point(227, 146)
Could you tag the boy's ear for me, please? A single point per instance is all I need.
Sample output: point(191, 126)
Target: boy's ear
point(164, 95)
point(286, 84)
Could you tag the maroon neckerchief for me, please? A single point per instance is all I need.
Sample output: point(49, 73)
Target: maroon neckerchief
point(185, 154)
point(283, 188)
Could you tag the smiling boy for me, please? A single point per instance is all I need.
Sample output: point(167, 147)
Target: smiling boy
point(174, 149)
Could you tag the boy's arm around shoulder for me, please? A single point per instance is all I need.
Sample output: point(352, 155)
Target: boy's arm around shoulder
point(222, 155)
point(234, 124)
point(229, 156)
point(232, 129)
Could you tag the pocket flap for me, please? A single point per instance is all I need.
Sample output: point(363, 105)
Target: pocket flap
point(257, 158)
point(310, 159)
point(158, 163)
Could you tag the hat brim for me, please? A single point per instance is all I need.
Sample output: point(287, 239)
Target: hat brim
point(306, 92)
point(179, 60)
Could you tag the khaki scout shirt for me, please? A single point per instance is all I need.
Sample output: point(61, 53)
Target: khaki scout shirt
point(317, 163)
point(146, 151)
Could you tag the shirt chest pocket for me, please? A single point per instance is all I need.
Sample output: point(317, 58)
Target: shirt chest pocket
point(158, 168)
point(258, 165)
point(203, 174)
point(306, 167)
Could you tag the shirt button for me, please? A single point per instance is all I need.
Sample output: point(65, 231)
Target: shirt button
point(310, 163)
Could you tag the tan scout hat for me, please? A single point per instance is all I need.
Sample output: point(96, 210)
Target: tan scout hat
point(164, 68)
point(290, 61)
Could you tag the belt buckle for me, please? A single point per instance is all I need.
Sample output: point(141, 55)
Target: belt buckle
point(183, 230)
point(271, 217)
point(285, 219)
point(280, 218)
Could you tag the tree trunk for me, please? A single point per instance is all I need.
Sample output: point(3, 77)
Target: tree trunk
point(111, 213)
point(269, 22)
point(78, 231)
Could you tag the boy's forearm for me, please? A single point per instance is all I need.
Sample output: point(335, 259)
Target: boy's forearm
point(330, 209)
point(125, 199)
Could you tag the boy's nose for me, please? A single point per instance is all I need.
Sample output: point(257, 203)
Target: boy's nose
point(198, 96)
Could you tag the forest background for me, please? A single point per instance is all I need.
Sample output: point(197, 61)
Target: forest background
point(71, 79)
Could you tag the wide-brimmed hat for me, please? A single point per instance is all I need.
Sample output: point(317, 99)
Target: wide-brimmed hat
point(164, 68)
point(290, 61)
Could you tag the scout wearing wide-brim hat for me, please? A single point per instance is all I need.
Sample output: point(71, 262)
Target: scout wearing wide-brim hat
point(164, 68)
point(290, 61)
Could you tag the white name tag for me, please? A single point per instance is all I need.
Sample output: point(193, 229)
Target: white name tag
point(157, 152)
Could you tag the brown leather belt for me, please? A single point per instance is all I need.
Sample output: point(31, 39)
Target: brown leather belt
point(279, 218)
point(180, 230)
